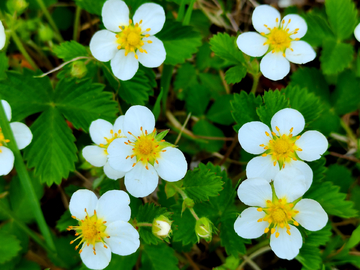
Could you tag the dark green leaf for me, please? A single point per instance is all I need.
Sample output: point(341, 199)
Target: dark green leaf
point(65, 221)
point(340, 176)
point(123, 262)
point(4, 65)
point(197, 99)
point(318, 29)
point(160, 257)
point(92, 6)
point(220, 111)
point(204, 128)
point(183, 227)
point(235, 74)
point(185, 77)
point(9, 248)
point(233, 243)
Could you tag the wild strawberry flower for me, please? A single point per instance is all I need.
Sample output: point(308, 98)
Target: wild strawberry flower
point(103, 226)
point(2, 36)
point(356, 32)
point(279, 40)
point(127, 42)
point(102, 134)
point(278, 208)
point(22, 135)
point(281, 146)
point(143, 155)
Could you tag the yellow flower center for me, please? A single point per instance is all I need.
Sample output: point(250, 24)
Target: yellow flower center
point(3, 141)
point(131, 38)
point(91, 230)
point(110, 139)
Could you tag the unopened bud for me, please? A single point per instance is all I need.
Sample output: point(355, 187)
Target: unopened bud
point(78, 69)
point(161, 227)
point(187, 203)
point(203, 229)
point(45, 33)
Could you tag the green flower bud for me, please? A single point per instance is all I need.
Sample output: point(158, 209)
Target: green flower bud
point(161, 227)
point(17, 5)
point(78, 69)
point(187, 203)
point(204, 229)
point(45, 33)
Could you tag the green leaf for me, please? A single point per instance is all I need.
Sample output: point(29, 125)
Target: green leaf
point(204, 128)
point(92, 6)
point(220, 111)
point(341, 176)
point(354, 238)
point(197, 102)
point(225, 47)
point(328, 121)
point(65, 221)
point(9, 248)
point(235, 74)
point(318, 28)
point(27, 265)
point(185, 77)
point(342, 17)
point(214, 84)
point(335, 56)
point(160, 257)
point(122, 262)
point(161, 135)
point(230, 240)
point(184, 227)
point(4, 65)
point(180, 42)
point(157, 108)
point(68, 50)
point(52, 151)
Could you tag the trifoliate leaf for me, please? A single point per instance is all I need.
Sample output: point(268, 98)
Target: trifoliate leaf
point(92, 6)
point(220, 111)
point(160, 257)
point(197, 99)
point(225, 47)
point(180, 42)
point(68, 50)
point(230, 240)
point(204, 128)
point(318, 29)
point(9, 248)
point(235, 74)
point(65, 221)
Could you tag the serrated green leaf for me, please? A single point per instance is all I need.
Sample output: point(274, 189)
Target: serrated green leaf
point(318, 29)
point(160, 257)
point(235, 74)
point(230, 240)
point(183, 227)
point(341, 176)
point(185, 77)
point(220, 111)
point(204, 128)
point(197, 99)
point(225, 47)
point(65, 221)
point(10, 247)
point(214, 84)
point(68, 50)
point(92, 6)
point(319, 169)
point(328, 121)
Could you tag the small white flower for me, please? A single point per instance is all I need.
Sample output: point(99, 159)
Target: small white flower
point(103, 226)
point(161, 227)
point(102, 134)
point(127, 42)
point(279, 212)
point(279, 40)
point(22, 135)
point(357, 32)
point(142, 156)
point(281, 147)
point(2, 36)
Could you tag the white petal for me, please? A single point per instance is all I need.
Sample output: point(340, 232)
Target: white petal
point(251, 43)
point(6, 107)
point(111, 173)
point(95, 155)
point(22, 134)
point(274, 66)
point(152, 16)
point(124, 238)
point(119, 125)
point(313, 144)
point(2, 36)
point(98, 261)
point(255, 192)
point(172, 165)
point(141, 182)
point(251, 135)
point(246, 225)
point(137, 117)
point(290, 184)
point(99, 130)
point(103, 45)
point(300, 52)
point(124, 67)
point(262, 167)
point(265, 15)
point(115, 13)
point(311, 215)
point(155, 55)
point(6, 160)
point(294, 21)
point(357, 32)
point(113, 205)
point(286, 246)
point(305, 170)
point(287, 119)
point(82, 199)
point(118, 151)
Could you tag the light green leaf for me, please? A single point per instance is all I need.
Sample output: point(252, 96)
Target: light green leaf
point(318, 28)
point(220, 111)
point(68, 50)
point(204, 128)
point(9, 248)
point(225, 47)
point(160, 257)
point(235, 74)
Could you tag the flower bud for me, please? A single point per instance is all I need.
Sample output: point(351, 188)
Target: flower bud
point(203, 229)
point(78, 69)
point(161, 227)
point(187, 203)
point(45, 33)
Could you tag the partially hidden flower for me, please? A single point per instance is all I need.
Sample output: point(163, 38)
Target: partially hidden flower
point(281, 146)
point(204, 229)
point(103, 226)
point(143, 155)
point(127, 42)
point(356, 32)
point(2, 36)
point(102, 134)
point(22, 135)
point(161, 227)
point(279, 211)
point(279, 41)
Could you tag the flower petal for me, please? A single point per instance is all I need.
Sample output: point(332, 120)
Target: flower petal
point(152, 16)
point(253, 134)
point(141, 182)
point(251, 43)
point(2, 36)
point(115, 13)
point(99, 130)
point(172, 164)
point(124, 67)
point(313, 144)
point(311, 215)
point(274, 66)
point(265, 17)
point(287, 119)
point(300, 52)
point(103, 45)
point(119, 125)
point(286, 246)
point(255, 192)
point(305, 170)
point(137, 117)
point(155, 53)
point(290, 184)
point(6, 160)
point(6, 107)
point(357, 32)
point(118, 152)
point(22, 134)
point(95, 155)
point(124, 238)
point(295, 23)
point(98, 261)
point(111, 173)
point(247, 225)
point(262, 167)
point(113, 205)
point(80, 200)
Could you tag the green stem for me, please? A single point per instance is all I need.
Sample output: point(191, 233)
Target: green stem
point(76, 23)
point(165, 83)
point(22, 49)
point(248, 259)
point(181, 11)
point(184, 196)
point(187, 18)
point(256, 78)
point(143, 224)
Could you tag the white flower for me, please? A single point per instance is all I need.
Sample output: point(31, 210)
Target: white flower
point(356, 32)
point(279, 40)
point(161, 227)
point(102, 134)
point(22, 135)
point(281, 147)
point(143, 156)
point(127, 42)
point(2, 36)
point(279, 212)
point(103, 226)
